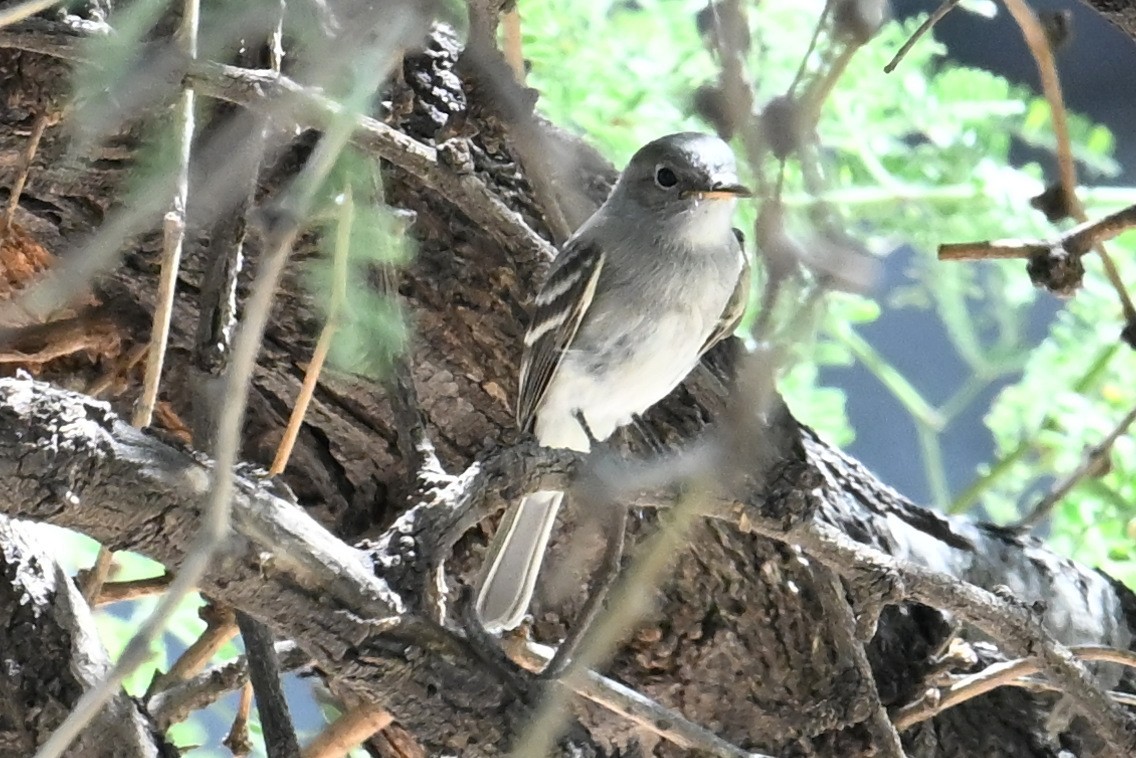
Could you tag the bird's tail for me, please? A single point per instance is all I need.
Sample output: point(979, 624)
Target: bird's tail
point(514, 560)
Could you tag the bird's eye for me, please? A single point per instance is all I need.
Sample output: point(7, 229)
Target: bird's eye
point(665, 177)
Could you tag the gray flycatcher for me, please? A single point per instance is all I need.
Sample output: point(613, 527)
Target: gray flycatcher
point(655, 278)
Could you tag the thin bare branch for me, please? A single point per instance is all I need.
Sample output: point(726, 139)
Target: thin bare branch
point(38, 127)
point(92, 581)
point(1042, 51)
point(1094, 463)
point(26, 9)
point(220, 627)
point(998, 675)
point(179, 701)
point(617, 698)
point(348, 731)
point(327, 335)
point(1077, 241)
point(134, 589)
point(237, 740)
point(936, 16)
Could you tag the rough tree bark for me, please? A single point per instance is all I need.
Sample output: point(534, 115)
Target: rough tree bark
point(745, 639)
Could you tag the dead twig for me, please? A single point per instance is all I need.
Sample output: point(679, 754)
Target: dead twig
point(180, 700)
point(237, 740)
point(994, 676)
point(38, 128)
point(1077, 241)
point(117, 592)
point(936, 16)
point(1095, 462)
point(220, 627)
point(1042, 51)
point(26, 9)
point(620, 699)
point(348, 731)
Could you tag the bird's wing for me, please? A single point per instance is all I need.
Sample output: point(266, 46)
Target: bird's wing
point(560, 307)
point(736, 305)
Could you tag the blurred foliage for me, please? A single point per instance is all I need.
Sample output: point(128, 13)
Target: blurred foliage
point(919, 157)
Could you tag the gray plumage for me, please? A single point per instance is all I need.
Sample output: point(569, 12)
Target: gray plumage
point(651, 281)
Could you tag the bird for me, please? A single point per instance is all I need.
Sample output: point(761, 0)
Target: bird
point(650, 282)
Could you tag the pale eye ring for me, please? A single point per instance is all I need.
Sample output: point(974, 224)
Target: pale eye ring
point(665, 177)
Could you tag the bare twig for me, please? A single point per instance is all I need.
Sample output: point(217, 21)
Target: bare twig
point(117, 592)
point(92, 582)
point(1077, 241)
point(257, 90)
point(327, 335)
point(26, 9)
point(1094, 463)
point(1042, 50)
point(220, 627)
point(617, 698)
point(173, 237)
point(936, 16)
point(237, 740)
point(349, 730)
point(180, 700)
point(38, 128)
point(998, 675)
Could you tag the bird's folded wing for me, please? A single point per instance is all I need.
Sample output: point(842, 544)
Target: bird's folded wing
point(560, 307)
point(735, 306)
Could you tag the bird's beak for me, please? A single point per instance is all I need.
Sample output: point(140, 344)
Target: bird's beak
point(724, 191)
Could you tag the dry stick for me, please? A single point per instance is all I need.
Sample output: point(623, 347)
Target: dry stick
point(348, 731)
point(116, 592)
point(92, 582)
point(220, 627)
point(327, 335)
point(1095, 462)
point(1077, 241)
point(237, 740)
point(632, 705)
point(1042, 51)
point(26, 159)
point(179, 701)
point(999, 675)
point(173, 238)
point(24, 10)
point(350, 725)
point(944, 8)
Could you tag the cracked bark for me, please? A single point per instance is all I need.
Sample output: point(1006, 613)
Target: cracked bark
point(739, 642)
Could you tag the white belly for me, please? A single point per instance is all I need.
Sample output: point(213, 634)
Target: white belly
point(665, 353)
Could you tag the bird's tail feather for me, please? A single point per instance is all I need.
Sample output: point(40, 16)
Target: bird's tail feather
point(514, 560)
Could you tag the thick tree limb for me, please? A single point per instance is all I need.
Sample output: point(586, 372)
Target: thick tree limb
point(50, 653)
point(74, 464)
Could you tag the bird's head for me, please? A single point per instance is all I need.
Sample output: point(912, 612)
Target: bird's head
point(681, 171)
